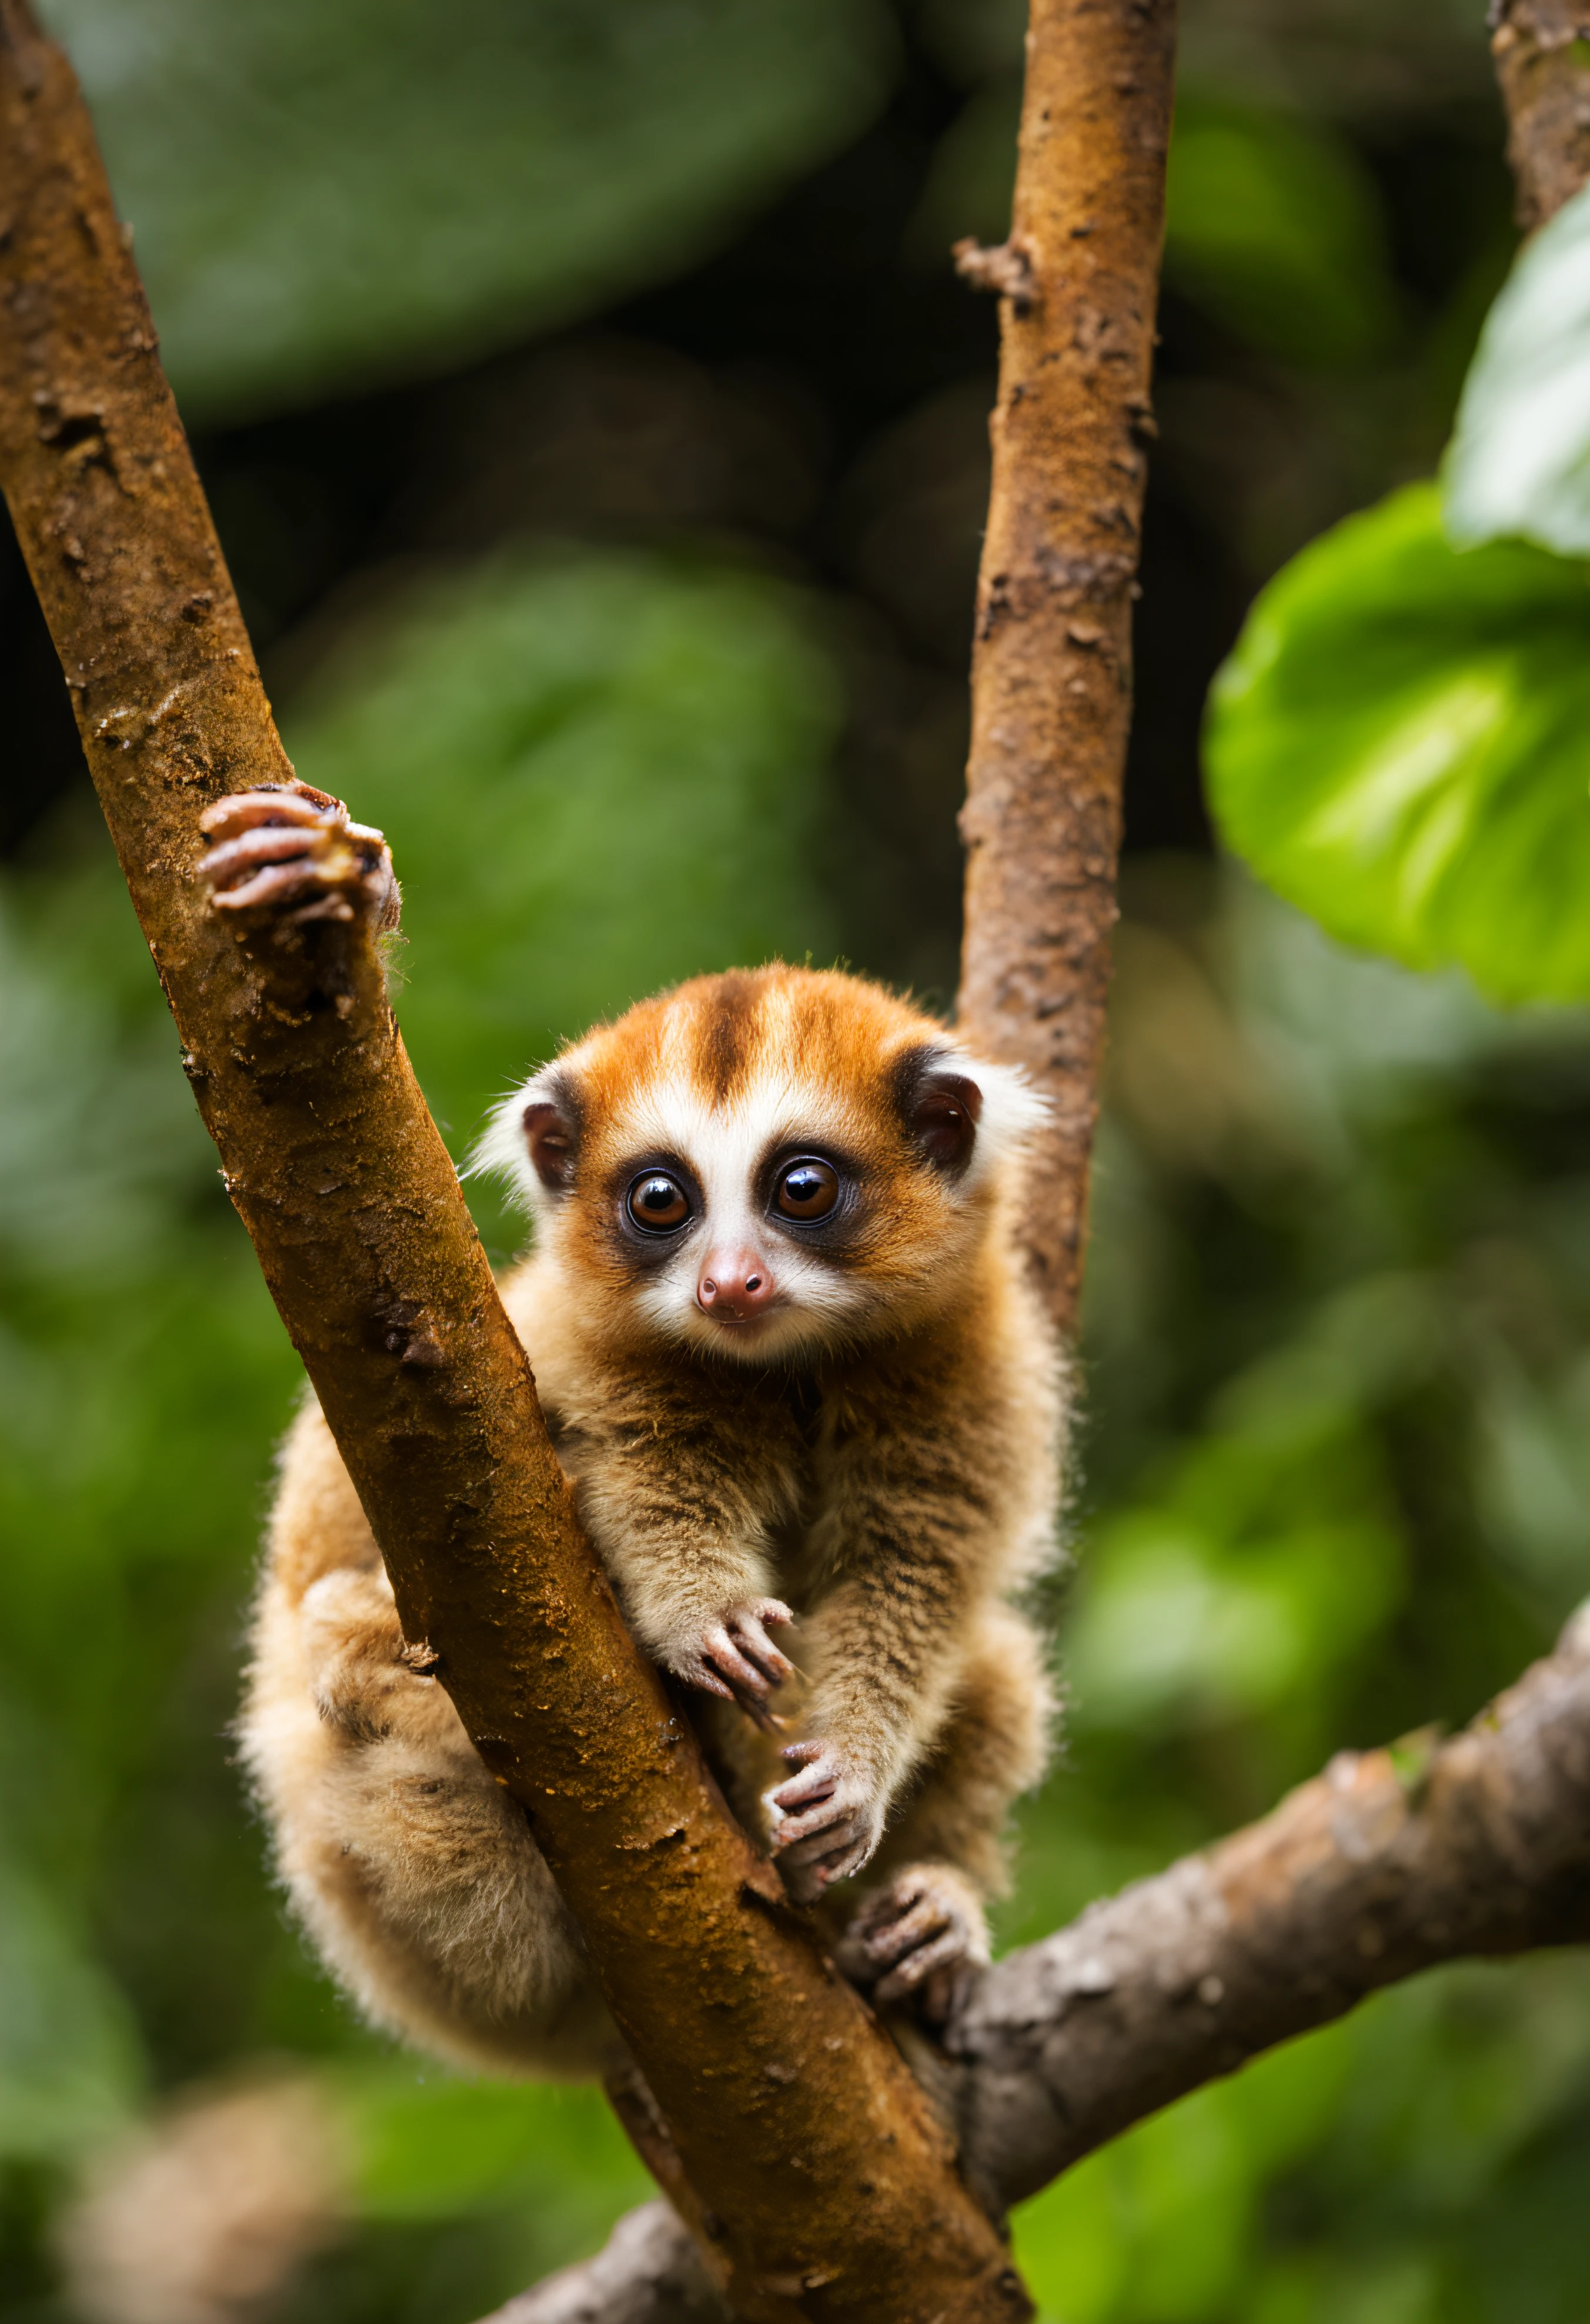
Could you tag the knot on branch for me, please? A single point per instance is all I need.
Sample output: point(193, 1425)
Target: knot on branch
point(1004, 267)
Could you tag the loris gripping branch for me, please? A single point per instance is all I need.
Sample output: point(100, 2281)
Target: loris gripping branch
point(789, 1357)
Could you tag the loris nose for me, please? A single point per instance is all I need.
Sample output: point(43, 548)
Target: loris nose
point(735, 1283)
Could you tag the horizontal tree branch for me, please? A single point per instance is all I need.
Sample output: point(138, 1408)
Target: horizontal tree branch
point(828, 2182)
point(1389, 1862)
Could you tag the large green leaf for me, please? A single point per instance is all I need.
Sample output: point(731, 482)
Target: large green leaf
point(1520, 460)
point(1400, 744)
point(329, 191)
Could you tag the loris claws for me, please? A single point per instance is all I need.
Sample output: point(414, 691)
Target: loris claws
point(735, 1659)
point(293, 853)
point(919, 1937)
point(827, 1819)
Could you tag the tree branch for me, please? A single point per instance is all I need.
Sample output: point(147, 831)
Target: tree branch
point(1543, 65)
point(1388, 1863)
point(829, 2182)
point(1052, 657)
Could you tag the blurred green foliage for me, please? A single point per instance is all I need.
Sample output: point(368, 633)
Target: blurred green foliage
point(1335, 1474)
point(328, 195)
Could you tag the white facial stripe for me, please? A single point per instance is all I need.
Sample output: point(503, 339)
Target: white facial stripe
point(725, 1145)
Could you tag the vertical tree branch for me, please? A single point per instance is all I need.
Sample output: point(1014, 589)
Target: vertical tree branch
point(831, 2187)
point(1052, 657)
point(1542, 54)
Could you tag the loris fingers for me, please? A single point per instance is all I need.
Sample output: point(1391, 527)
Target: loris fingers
point(722, 1653)
point(270, 848)
point(907, 1924)
point(818, 1780)
point(815, 1864)
point(747, 1628)
point(946, 1952)
point(298, 804)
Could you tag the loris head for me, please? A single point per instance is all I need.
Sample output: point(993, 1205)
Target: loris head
point(765, 1164)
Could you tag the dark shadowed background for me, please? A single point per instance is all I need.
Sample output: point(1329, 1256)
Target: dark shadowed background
point(597, 432)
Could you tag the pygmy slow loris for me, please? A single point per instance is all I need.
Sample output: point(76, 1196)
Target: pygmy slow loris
point(790, 1360)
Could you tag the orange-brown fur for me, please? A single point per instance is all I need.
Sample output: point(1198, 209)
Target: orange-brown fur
point(876, 1449)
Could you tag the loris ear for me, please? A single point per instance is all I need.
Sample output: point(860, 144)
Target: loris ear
point(941, 1107)
point(552, 1139)
point(534, 1137)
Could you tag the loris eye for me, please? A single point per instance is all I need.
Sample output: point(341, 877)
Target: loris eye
point(659, 1203)
point(806, 1190)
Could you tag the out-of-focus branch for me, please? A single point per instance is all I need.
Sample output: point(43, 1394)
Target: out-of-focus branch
point(830, 2185)
point(1388, 1863)
point(1052, 657)
point(649, 2272)
point(1542, 54)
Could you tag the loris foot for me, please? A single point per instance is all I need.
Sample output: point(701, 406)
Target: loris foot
point(920, 1937)
point(362, 1677)
point(732, 1657)
point(292, 854)
point(827, 1820)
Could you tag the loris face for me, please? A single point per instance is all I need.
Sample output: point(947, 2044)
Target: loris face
point(763, 1165)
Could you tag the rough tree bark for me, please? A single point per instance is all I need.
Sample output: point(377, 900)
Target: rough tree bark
point(1052, 660)
point(1542, 54)
point(793, 2128)
point(1388, 1863)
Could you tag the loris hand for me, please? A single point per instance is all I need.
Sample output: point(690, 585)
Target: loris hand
point(829, 1820)
point(920, 1936)
point(295, 853)
point(732, 1657)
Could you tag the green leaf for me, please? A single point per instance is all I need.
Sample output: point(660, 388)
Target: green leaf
point(1519, 458)
point(1400, 744)
point(329, 192)
point(599, 773)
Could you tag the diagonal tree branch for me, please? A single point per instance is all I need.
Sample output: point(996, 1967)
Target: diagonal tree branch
point(790, 2121)
point(1388, 1863)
